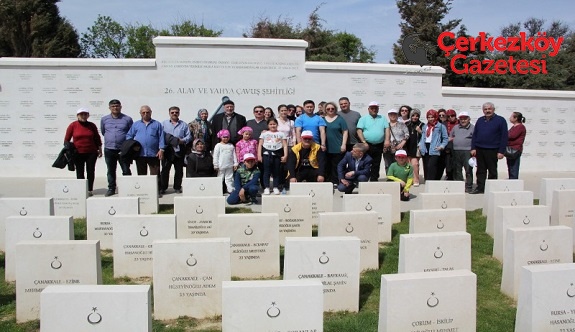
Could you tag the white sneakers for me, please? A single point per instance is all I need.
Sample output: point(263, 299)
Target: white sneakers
point(267, 191)
point(276, 191)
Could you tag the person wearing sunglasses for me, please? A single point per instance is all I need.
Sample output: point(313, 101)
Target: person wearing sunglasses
point(177, 133)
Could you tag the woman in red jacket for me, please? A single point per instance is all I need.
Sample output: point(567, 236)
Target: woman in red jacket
point(86, 139)
point(516, 138)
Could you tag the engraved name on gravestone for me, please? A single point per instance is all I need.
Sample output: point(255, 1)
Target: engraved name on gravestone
point(431, 221)
point(101, 211)
point(379, 203)
point(22, 207)
point(42, 228)
point(295, 214)
point(335, 261)
point(188, 275)
point(383, 188)
point(43, 263)
point(254, 243)
point(143, 186)
point(435, 201)
point(197, 216)
point(133, 242)
point(431, 252)
point(274, 305)
point(202, 187)
point(359, 224)
point(321, 196)
point(499, 185)
point(109, 308)
point(438, 301)
point(69, 196)
point(505, 198)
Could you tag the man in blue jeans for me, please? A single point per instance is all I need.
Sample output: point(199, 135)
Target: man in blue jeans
point(114, 127)
point(246, 180)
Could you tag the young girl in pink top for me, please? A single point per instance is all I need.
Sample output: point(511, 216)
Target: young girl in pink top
point(247, 144)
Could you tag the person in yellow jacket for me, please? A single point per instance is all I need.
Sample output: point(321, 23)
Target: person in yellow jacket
point(306, 160)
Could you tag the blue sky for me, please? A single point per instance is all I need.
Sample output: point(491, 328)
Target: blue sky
point(375, 22)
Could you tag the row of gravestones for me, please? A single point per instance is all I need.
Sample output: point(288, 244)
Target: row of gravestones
point(441, 251)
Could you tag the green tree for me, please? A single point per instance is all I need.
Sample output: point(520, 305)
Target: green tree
point(33, 28)
point(105, 39)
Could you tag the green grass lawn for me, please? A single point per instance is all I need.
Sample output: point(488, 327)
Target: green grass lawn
point(495, 311)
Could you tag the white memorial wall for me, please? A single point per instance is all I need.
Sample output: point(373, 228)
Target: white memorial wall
point(39, 97)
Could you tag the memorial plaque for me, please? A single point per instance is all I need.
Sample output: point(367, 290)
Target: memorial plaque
point(444, 187)
point(196, 216)
point(499, 185)
point(386, 188)
point(563, 208)
point(321, 194)
point(533, 246)
point(335, 261)
point(22, 207)
point(295, 216)
point(359, 224)
point(133, 242)
point(43, 263)
point(433, 201)
point(432, 252)
point(546, 298)
point(438, 301)
point(548, 185)
point(379, 203)
point(432, 221)
point(188, 275)
point(42, 228)
point(505, 198)
point(69, 196)
point(106, 308)
point(143, 186)
point(202, 187)
point(101, 211)
point(274, 305)
point(516, 217)
point(254, 243)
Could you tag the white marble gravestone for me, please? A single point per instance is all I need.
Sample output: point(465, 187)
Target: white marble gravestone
point(101, 211)
point(516, 217)
point(254, 243)
point(197, 216)
point(43, 263)
point(42, 228)
point(105, 308)
point(202, 187)
point(391, 188)
point(274, 305)
point(499, 185)
point(434, 301)
point(432, 252)
point(295, 216)
point(188, 275)
point(379, 203)
point(432, 221)
point(332, 260)
point(533, 246)
point(133, 242)
point(143, 186)
point(436, 201)
point(548, 185)
point(321, 194)
point(563, 208)
point(444, 187)
point(22, 207)
point(546, 298)
point(505, 198)
point(359, 224)
point(69, 196)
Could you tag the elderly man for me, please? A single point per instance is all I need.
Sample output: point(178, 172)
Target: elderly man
point(351, 118)
point(306, 160)
point(353, 168)
point(460, 137)
point(373, 129)
point(311, 122)
point(177, 132)
point(488, 145)
point(229, 120)
point(114, 127)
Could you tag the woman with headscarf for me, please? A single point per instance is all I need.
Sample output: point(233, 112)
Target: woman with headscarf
point(200, 128)
point(433, 140)
point(414, 126)
point(199, 162)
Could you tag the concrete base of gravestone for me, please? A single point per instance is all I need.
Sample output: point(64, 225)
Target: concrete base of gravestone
point(109, 308)
point(499, 185)
point(431, 252)
point(278, 305)
point(69, 196)
point(437, 221)
point(101, 211)
point(22, 207)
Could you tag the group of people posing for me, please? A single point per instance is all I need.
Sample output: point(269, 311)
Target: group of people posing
point(340, 146)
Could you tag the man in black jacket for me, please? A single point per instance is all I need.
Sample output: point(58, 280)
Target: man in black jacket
point(229, 120)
